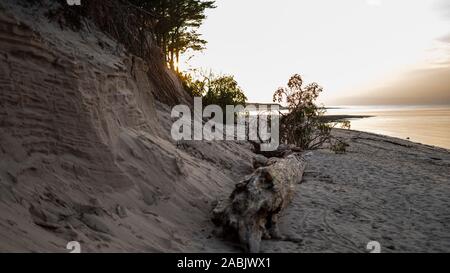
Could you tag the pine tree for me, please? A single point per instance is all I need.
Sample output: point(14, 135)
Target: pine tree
point(177, 25)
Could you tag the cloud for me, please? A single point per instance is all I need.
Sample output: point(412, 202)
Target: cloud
point(445, 38)
point(418, 87)
point(428, 85)
point(443, 8)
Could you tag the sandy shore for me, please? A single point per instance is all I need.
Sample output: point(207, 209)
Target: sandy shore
point(384, 189)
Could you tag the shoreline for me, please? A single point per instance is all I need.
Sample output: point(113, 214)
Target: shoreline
point(398, 138)
point(432, 132)
point(337, 118)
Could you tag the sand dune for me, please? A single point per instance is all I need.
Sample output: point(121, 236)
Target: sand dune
point(85, 152)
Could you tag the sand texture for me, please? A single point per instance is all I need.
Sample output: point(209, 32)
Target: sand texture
point(384, 189)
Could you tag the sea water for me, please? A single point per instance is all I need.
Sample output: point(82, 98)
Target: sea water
point(424, 124)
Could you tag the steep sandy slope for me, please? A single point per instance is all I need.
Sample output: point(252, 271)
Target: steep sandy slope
point(85, 152)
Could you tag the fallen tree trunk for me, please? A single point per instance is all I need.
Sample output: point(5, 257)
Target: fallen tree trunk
point(282, 151)
point(252, 210)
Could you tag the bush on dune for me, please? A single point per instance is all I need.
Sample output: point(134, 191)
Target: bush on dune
point(215, 89)
point(304, 126)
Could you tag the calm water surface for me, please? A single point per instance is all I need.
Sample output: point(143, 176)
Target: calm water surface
point(424, 124)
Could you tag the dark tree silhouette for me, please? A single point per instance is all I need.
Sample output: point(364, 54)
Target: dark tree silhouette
point(304, 125)
point(177, 23)
point(138, 24)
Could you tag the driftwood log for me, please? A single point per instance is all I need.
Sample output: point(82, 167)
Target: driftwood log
point(283, 150)
point(251, 212)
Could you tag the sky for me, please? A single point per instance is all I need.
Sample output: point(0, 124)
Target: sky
point(360, 51)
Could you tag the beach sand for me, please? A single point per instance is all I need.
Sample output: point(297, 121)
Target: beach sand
point(384, 189)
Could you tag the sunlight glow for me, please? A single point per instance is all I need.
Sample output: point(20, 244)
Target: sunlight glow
point(347, 46)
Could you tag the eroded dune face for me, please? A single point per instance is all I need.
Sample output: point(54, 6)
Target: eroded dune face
point(85, 151)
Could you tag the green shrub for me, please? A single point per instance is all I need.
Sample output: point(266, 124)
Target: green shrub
point(338, 146)
point(304, 125)
point(223, 91)
point(220, 90)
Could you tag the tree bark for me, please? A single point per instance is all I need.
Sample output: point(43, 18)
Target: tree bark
point(253, 209)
